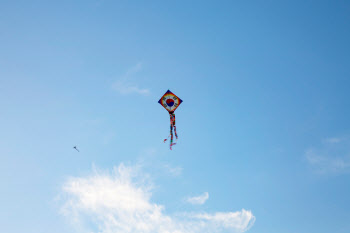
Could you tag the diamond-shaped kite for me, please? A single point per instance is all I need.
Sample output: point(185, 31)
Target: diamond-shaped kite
point(170, 102)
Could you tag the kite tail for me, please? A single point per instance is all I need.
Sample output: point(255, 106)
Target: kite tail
point(171, 136)
point(173, 122)
point(175, 132)
point(172, 128)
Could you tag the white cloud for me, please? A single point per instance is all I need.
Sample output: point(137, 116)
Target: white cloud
point(332, 156)
point(125, 86)
point(198, 200)
point(121, 203)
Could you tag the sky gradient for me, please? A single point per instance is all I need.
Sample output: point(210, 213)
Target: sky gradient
point(263, 127)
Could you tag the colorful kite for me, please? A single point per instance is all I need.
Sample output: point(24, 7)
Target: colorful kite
point(171, 102)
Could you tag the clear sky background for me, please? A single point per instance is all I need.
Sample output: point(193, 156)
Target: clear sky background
point(264, 123)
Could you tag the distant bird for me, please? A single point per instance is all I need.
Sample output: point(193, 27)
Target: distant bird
point(76, 148)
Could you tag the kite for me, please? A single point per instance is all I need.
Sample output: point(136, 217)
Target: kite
point(171, 102)
point(75, 147)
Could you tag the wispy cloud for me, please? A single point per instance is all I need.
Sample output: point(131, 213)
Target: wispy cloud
point(198, 200)
point(125, 86)
point(332, 156)
point(120, 202)
point(333, 140)
point(174, 171)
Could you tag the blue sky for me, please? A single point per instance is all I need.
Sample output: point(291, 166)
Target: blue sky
point(263, 129)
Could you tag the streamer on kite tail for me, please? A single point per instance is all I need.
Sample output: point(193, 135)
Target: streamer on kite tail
point(166, 138)
point(175, 128)
point(172, 128)
point(172, 117)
